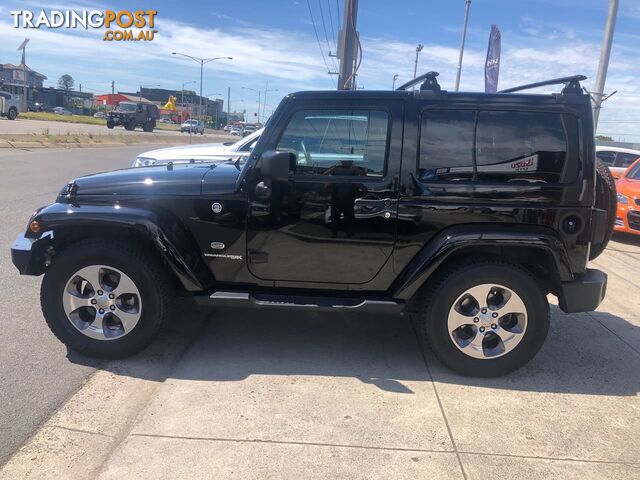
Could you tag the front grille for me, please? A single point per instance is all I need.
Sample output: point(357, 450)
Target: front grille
point(633, 218)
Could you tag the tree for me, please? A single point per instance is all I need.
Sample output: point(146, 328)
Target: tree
point(65, 82)
point(604, 138)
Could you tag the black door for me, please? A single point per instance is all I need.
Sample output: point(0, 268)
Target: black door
point(334, 219)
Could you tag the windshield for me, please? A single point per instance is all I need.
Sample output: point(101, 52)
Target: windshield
point(246, 143)
point(634, 173)
point(126, 107)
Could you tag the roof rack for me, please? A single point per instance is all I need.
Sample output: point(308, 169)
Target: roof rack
point(428, 79)
point(571, 85)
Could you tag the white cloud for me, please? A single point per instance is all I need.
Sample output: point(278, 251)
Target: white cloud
point(290, 60)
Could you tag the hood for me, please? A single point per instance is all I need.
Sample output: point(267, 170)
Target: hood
point(628, 187)
point(183, 179)
point(187, 152)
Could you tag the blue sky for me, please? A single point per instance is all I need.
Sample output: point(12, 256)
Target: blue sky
point(274, 41)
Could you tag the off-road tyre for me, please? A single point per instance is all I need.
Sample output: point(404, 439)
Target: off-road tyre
point(147, 272)
point(110, 124)
point(12, 114)
point(607, 200)
point(429, 311)
point(149, 126)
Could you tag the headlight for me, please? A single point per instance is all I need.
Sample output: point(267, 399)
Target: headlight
point(623, 199)
point(143, 162)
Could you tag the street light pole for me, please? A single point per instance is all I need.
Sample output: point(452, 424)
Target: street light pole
point(266, 90)
point(259, 101)
point(217, 107)
point(182, 99)
point(603, 66)
point(415, 65)
point(464, 36)
point(393, 85)
point(202, 62)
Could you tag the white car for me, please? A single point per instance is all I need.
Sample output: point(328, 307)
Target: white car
point(616, 158)
point(8, 106)
point(61, 111)
point(205, 152)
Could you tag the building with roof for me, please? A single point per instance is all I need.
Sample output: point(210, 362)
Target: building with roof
point(14, 77)
point(112, 99)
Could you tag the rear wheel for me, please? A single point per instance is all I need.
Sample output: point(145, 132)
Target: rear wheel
point(12, 114)
point(105, 299)
point(148, 126)
point(483, 319)
point(607, 200)
point(110, 124)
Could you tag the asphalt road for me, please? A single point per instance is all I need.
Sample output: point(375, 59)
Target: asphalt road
point(35, 374)
point(24, 126)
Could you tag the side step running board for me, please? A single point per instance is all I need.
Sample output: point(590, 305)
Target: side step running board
point(261, 300)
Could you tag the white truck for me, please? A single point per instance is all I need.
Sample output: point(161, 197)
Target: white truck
point(8, 106)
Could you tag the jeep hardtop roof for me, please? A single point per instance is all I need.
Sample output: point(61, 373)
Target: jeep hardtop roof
point(572, 90)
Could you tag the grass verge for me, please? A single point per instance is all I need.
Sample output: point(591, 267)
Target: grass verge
point(86, 119)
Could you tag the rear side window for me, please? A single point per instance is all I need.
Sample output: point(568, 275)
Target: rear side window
point(446, 145)
point(606, 157)
point(520, 146)
point(624, 160)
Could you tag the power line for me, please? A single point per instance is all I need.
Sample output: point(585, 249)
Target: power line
point(326, 37)
point(315, 30)
point(333, 32)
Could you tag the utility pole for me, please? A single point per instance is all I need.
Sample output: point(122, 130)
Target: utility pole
point(464, 36)
point(23, 47)
point(415, 65)
point(603, 66)
point(228, 105)
point(347, 49)
point(113, 87)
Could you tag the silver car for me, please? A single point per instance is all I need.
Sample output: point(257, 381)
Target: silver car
point(193, 126)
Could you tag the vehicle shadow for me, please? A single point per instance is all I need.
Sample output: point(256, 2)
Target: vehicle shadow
point(582, 354)
point(625, 238)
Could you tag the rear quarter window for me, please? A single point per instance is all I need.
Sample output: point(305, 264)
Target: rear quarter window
point(526, 147)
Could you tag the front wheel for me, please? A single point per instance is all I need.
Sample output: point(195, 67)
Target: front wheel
point(483, 319)
point(12, 114)
point(105, 299)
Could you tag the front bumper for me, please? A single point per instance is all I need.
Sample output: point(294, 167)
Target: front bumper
point(28, 254)
point(628, 218)
point(583, 294)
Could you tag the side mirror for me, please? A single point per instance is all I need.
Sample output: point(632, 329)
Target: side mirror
point(276, 165)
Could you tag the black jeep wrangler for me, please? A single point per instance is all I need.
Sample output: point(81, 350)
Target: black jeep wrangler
point(133, 114)
point(463, 210)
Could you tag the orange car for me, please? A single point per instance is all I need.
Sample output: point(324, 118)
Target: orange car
point(628, 187)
